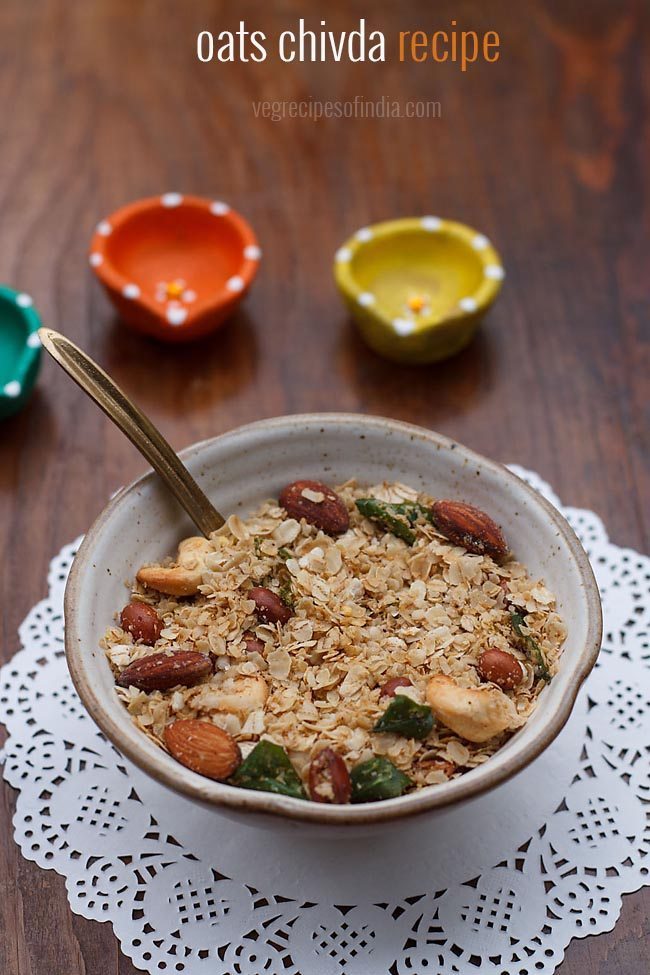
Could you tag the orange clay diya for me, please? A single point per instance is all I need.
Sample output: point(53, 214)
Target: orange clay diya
point(175, 267)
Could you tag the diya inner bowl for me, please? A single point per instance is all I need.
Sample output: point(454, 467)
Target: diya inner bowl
point(175, 267)
point(418, 287)
point(20, 349)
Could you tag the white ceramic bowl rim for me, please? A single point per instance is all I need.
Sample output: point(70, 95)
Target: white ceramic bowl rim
point(175, 776)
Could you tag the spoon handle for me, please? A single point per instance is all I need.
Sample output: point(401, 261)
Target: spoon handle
point(140, 430)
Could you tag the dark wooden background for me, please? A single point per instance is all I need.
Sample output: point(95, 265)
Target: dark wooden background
point(547, 152)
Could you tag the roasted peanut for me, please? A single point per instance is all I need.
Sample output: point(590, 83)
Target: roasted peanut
point(391, 686)
point(329, 779)
point(253, 643)
point(268, 605)
point(501, 668)
point(142, 622)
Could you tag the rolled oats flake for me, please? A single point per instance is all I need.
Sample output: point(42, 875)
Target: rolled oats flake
point(457, 752)
point(279, 663)
point(316, 496)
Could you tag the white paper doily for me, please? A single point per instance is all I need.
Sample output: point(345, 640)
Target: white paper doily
point(499, 886)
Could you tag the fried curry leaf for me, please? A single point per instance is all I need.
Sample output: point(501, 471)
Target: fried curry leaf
point(377, 779)
point(285, 592)
point(531, 646)
point(387, 517)
point(404, 717)
point(268, 769)
point(412, 510)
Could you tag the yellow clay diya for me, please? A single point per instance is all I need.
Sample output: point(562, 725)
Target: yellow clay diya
point(418, 287)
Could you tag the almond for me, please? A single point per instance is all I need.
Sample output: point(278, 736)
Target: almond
point(329, 779)
point(317, 504)
point(142, 622)
point(500, 668)
point(268, 605)
point(465, 525)
point(203, 747)
point(161, 671)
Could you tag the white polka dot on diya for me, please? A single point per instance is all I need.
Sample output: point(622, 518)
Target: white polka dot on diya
point(189, 296)
point(431, 223)
point(24, 301)
point(12, 389)
point(494, 271)
point(131, 291)
point(252, 252)
point(364, 234)
point(403, 326)
point(171, 199)
point(235, 283)
point(104, 228)
point(467, 304)
point(218, 207)
point(480, 242)
point(33, 341)
point(343, 254)
point(366, 299)
point(176, 316)
point(95, 259)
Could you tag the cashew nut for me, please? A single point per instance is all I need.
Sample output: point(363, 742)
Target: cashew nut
point(474, 713)
point(184, 578)
point(241, 695)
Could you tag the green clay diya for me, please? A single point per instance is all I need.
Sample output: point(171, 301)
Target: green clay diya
point(418, 287)
point(20, 349)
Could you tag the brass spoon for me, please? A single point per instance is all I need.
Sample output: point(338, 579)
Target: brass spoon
point(140, 431)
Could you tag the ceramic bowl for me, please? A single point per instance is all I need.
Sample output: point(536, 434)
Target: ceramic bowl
point(240, 469)
point(418, 287)
point(20, 349)
point(175, 267)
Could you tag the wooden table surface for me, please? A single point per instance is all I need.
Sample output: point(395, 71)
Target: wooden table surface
point(547, 152)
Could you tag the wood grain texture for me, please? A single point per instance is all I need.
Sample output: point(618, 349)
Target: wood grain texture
point(547, 152)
